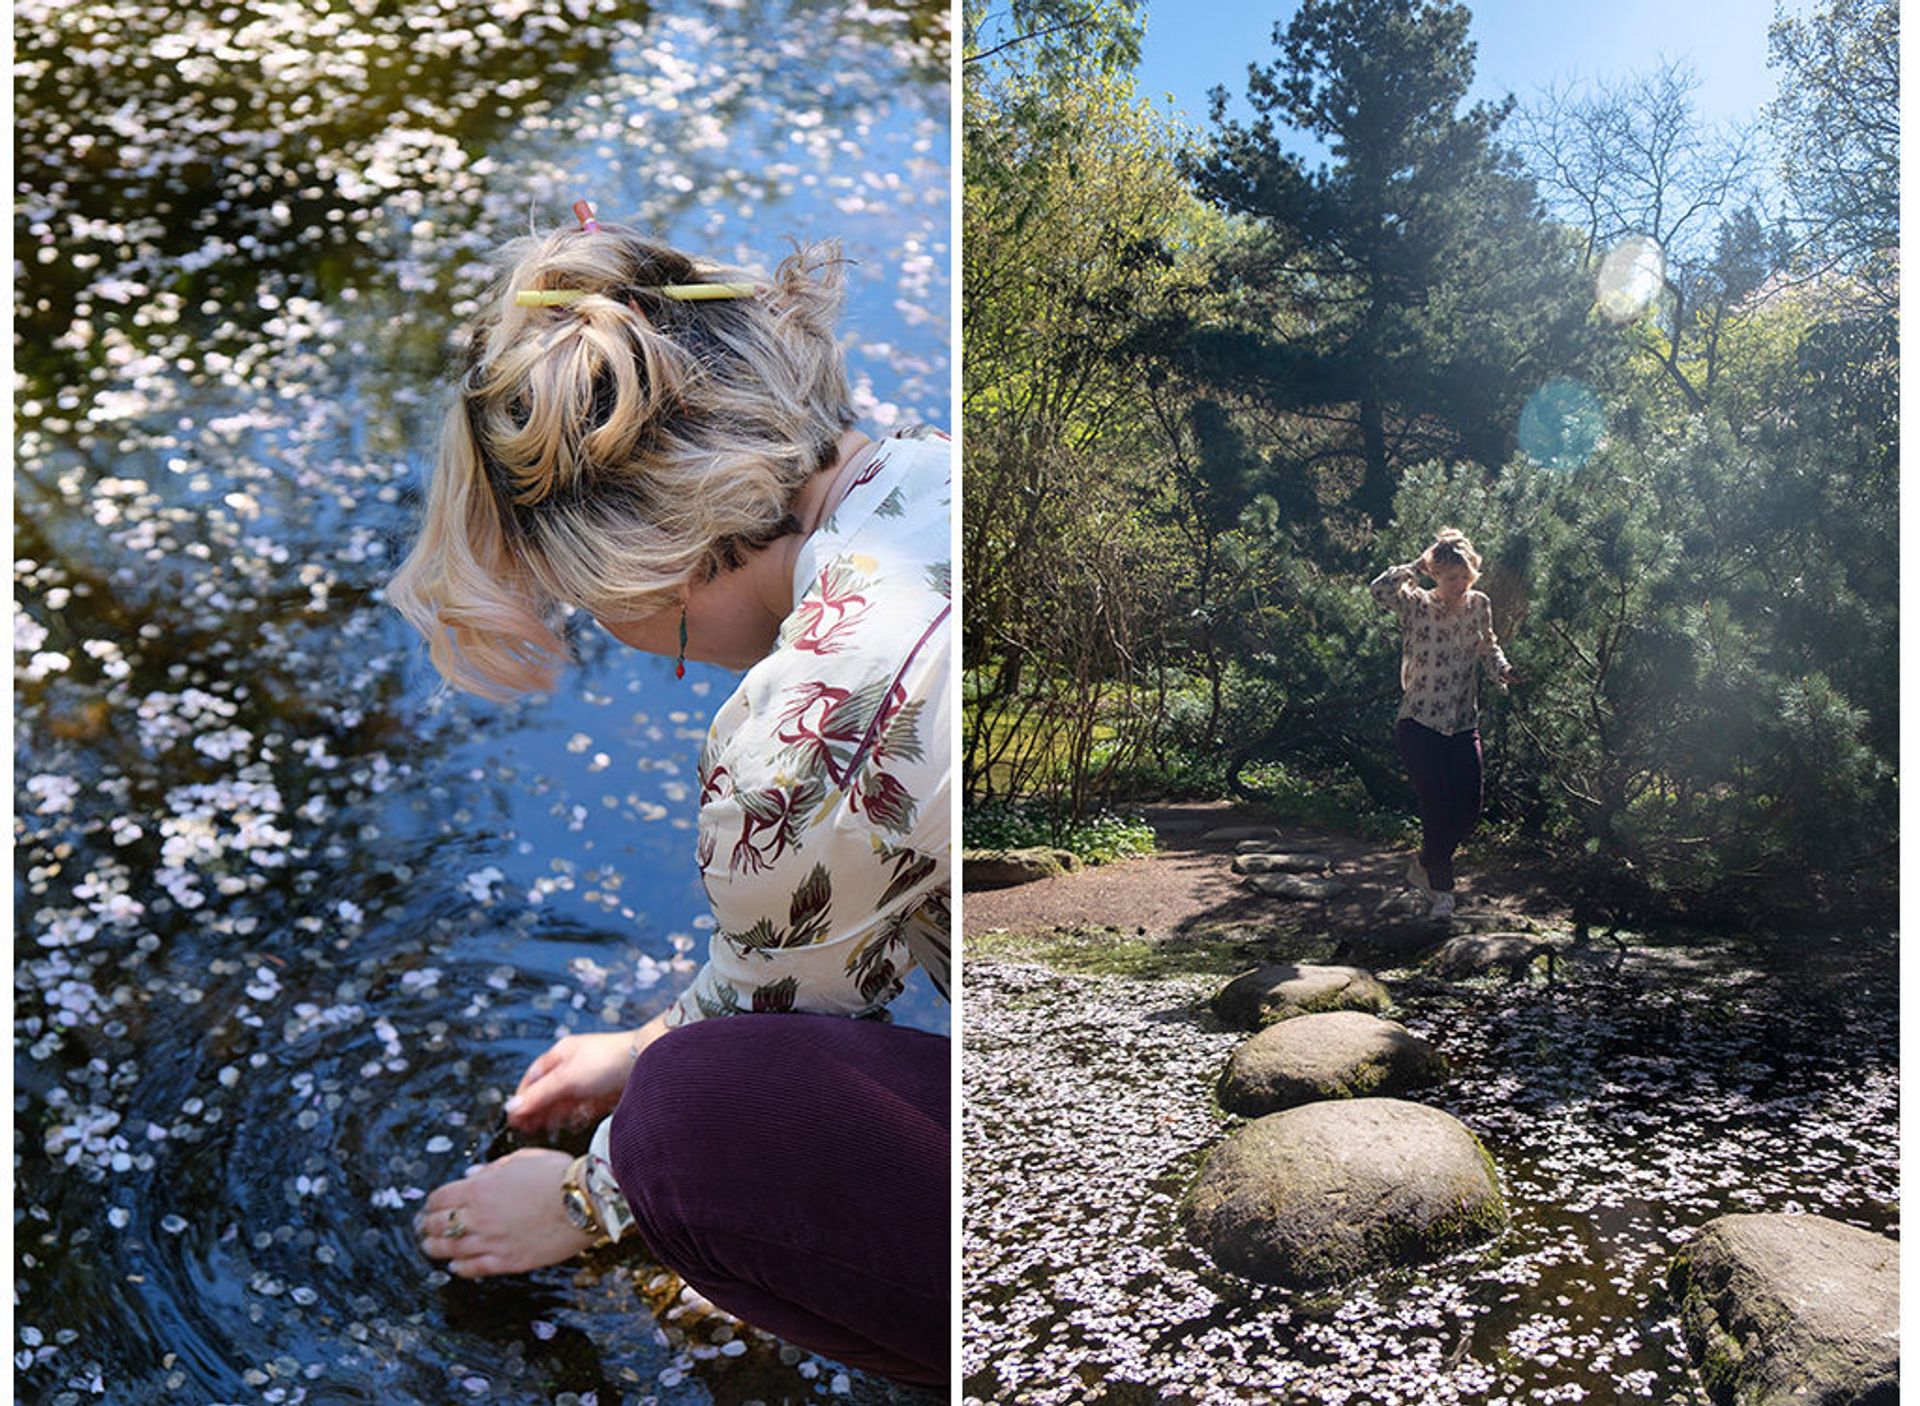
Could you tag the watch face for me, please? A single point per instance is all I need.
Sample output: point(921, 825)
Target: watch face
point(578, 1211)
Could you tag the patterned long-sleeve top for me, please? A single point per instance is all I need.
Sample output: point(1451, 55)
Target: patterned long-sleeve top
point(1438, 651)
point(824, 827)
point(825, 832)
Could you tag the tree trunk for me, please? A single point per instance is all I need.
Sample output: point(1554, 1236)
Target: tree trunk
point(1376, 489)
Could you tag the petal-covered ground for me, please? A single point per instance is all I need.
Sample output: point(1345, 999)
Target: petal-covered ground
point(290, 922)
point(1638, 1096)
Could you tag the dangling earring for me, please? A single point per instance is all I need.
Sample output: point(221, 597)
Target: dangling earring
point(680, 663)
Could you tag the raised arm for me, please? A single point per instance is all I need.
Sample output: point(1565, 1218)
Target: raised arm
point(1393, 588)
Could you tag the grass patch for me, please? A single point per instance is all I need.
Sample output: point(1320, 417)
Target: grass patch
point(1137, 957)
point(1337, 803)
point(1097, 839)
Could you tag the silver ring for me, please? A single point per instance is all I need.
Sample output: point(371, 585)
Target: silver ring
point(454, 1229)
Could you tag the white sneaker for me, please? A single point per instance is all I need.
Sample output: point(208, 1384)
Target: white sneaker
point(1417, 876)
point(1442, 906)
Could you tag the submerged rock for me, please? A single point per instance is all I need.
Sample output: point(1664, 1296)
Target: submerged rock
point(1004, 868)
point(1333, 1055)
point(1270, 862)
point(1470, 954)
point(1296, 886)
point(1260, 997)
point(1329, 1191)
point(1791, 1309)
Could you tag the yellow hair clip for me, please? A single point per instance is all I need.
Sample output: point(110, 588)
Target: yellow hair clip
point(706, 292)
point(679, 292)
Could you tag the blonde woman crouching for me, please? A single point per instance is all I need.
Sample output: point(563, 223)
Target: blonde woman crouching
point(1444, 634)
point(684, 469)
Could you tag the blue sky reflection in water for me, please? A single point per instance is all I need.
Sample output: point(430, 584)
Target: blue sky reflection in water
point(289, 928)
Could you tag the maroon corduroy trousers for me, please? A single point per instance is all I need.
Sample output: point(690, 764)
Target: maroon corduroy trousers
point(794, 1169)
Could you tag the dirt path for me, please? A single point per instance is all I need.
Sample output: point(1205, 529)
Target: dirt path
point(1188, 889)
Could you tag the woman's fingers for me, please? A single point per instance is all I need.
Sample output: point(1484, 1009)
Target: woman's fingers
point(432, 1226)
point(540, 1067)
point(506, 1219)
point(532, 1102)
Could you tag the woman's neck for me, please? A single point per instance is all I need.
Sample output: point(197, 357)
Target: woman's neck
point(821, 494)
point(735, 618)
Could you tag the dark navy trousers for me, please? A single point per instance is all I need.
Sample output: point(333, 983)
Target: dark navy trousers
point(1446, 775)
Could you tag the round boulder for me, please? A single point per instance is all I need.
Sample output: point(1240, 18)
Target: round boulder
point(1279, 992)
point(1322, 1193)
point(1004, 868)
point(1780, 1309)
point(1470, 954)
point(1270, 862)
point(1336, 1054)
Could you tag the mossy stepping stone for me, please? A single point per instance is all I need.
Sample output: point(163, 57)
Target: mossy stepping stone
point(1281, 991)
point(1326, 1192)
point(1780, 1309)
point(1267, 862)
point(1335, 1054)
point(1473, 953)
point(1265, 833)
point(1005, 868)
point(1296, 886)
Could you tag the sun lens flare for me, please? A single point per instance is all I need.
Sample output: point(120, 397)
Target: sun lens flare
point(1630, 278)
point(1562, 424)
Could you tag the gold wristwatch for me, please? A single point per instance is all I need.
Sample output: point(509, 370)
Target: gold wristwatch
point(579, 1205)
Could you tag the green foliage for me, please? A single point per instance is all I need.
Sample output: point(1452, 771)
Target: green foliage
point(1052, 36)
point(1837, 126)
point(1683, 611)
point(1436, 297)
point(1079, 234)
point(1097, 839)
point(1194, 433)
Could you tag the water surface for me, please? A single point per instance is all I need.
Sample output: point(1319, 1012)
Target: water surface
point(291, 922)
point(1637, 1097)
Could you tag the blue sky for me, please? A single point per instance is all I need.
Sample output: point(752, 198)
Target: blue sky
point(1524, 45)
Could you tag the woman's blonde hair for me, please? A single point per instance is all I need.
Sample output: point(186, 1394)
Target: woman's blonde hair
point(1452, 548)
point(605, 453)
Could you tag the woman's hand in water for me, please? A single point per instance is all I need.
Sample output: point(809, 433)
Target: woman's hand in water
point(580, 1079)
point(506, 1217)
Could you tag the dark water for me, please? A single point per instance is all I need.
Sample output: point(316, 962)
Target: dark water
point(1637, 1097)
point(290, 924)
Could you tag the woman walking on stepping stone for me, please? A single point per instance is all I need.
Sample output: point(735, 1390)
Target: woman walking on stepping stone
point(1444, 633)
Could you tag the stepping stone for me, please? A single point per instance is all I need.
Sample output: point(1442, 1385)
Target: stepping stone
point(1297, 886)
point(1282, 991)
point(1336, 1054)
point(1780, 1309)
point(1267, 833)
point(1267, 863)
point(1470, 954)
point(1004, 868)
point(1328, 1191)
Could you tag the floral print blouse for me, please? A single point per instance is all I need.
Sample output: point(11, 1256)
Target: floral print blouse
point(825, 832)
point(824, 828)
point(1438, 651)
